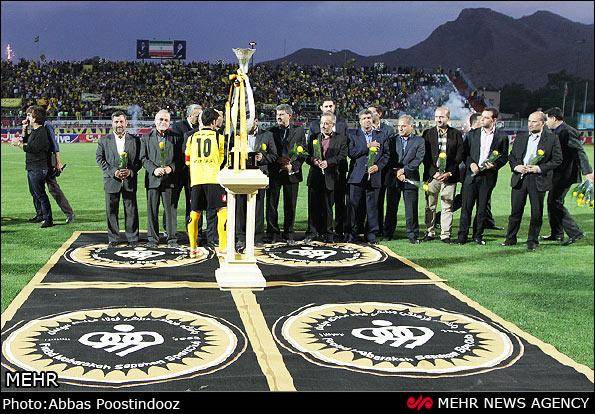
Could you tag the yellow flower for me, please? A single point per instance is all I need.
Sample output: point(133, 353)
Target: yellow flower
point(123, 154)
point(263, 146)
point(442, 155)
point(374, 149)
point(495, 153)
point(581, 196)
point(161, 144)
point(574, 193)
point(540, 152)
point(425, 186)
point(315, 142)
point(300, 149)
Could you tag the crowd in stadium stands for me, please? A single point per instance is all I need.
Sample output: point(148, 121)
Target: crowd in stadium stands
point(59, 86)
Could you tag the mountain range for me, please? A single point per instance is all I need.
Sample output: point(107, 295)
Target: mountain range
point(491, 48)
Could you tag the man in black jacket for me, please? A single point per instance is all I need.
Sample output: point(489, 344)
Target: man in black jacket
point(323, 177)
point(120, 180)
point(441, 141)
point(531, 177)
point(182, 129)
point(574, 161)
point(36, 144)
point(340, 191)
point(161, 155)
point(264, 159)
point(286, 175)
point(406, 153)
point(481, 175)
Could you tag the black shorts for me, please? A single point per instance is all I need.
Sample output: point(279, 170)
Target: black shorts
point(205, 196)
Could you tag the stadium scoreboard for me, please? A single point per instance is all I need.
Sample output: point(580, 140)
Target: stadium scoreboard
point(160, 49)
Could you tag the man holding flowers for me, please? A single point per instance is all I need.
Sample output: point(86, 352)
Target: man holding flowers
point(486, 151)
point(444, 153)
point(118, 156)
point(162, 158)
point(368, 152)
point(533, 158)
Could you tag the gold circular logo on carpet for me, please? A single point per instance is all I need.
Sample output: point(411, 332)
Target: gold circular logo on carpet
point(396, 339)
point(319, 254)
point(124, 346)
point(135, 257)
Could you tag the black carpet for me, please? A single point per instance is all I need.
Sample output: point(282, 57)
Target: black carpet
point(369, 335)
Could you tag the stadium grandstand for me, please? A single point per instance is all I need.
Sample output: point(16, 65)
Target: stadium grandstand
point(77, 91)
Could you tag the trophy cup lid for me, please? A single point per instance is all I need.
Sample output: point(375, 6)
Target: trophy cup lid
point(244, 56)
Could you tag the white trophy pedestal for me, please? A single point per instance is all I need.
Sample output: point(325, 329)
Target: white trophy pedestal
point(241, 270)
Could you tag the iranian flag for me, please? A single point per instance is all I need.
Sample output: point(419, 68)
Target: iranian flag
point(161, 49)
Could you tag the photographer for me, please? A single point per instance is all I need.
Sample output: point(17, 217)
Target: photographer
point(36, 145)
point(55, 170)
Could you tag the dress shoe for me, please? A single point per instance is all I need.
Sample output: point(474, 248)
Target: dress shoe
point(152, 245)
point(112, 245)
point(494, 227)
point(329, 238)
point(46, 223)
point(132, 245)
point(414, 241)
point(240, 247)
point(70, 218)
point(532, 246)
point(428, 237)
point(349, 238)
point(571, 240)
point(446, 240)
point(173, 245)
point(479, 241)
point(508, 243)
point(551, 237)
point(372, 240)
point(291, 242)
point(310, 238)
point(35, 219)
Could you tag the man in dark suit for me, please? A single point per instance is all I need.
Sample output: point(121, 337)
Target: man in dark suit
point(388, 130)
point(446, 140)
point(529, 179)
point(364, 182)
point(481, 175)
point(286, 175)
point(406, 153)
point(323, 178)
point(340, 191)
point(120, 181)
point(161, 155)
point(574, 161)
point(182, 129)
point(263, 159)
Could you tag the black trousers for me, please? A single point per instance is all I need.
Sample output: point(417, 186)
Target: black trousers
point(320, 210)
point(290, 194)
point(518, 199)
point(241, 207)
point(183, 185)
point(36, 180)
point(340, 194)
point(154, 195)
point(411, 198)
point(382, 195)
point(361, 195)
point(559, 217)
point(477, 193)
point(58, 194)
point(457, 203)
point(112, 209)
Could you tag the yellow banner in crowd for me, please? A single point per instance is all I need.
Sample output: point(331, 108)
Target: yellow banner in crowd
point(11, 102)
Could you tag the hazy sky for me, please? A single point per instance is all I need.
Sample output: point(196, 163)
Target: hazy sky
point(79, 30)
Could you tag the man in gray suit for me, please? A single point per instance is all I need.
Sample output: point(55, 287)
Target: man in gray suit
point(161, 155)
point(406, 154)
point(119, 181)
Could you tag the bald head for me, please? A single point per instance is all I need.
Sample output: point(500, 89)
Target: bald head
point(536, 122)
